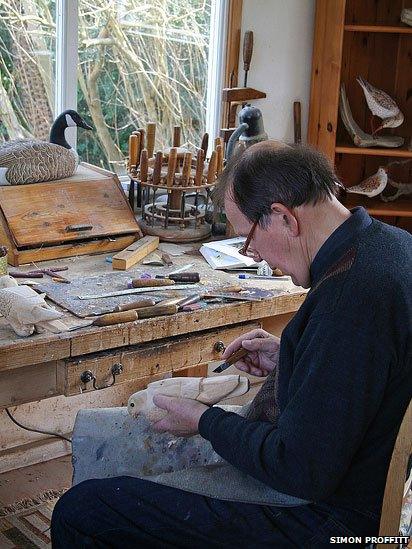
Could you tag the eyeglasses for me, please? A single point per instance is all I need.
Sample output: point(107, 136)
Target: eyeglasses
point(244, 249)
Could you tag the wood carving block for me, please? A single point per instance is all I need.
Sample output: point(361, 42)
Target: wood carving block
point(135, 253)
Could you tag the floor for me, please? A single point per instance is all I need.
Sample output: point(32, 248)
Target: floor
point(29, 482)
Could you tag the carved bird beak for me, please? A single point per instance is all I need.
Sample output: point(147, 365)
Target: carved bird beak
point(84, 125)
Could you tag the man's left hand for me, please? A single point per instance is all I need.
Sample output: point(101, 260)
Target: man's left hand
point(183, 415)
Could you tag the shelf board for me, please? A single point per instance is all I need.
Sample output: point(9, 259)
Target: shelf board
point(378, 28)
point(370, 151)
point(401, 207)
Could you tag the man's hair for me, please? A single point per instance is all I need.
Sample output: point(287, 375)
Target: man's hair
point(271, 172)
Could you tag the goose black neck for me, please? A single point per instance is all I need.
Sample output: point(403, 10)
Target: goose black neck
point(57, 133)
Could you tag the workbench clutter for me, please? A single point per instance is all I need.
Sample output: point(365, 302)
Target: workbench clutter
point(175, 185)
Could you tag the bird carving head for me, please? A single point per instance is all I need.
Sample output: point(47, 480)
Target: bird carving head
point(73, 118)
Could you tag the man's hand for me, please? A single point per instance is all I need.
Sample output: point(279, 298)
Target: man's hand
point(183, 415)
point(263, 356)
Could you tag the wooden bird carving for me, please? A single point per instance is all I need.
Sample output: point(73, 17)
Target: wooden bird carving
point(382, 106)
point(26, 311)
point(372, 185)
point(25, 161)
point(208, 390)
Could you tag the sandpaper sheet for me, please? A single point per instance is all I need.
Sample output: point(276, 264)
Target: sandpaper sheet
point(66, 295)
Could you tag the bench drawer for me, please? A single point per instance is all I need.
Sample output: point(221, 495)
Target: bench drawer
point(149, 359)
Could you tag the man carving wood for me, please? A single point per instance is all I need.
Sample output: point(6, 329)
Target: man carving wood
point(322, 428)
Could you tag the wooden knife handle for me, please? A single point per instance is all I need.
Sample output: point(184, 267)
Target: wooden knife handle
point(147, 302)
point(176, 136)
point(149, 282)
point(115, 318)
point(247, 49)
point(144, 165)
point(237, 355)
point(150, 138)
point(171, 166)
point(157, 310)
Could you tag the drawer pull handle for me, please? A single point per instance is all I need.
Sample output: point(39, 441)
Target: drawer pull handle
point(78, 228)
point(88, 376)
point(219, 347)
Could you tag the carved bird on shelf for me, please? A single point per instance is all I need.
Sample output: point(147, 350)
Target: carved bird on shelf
point(382, 106)
point(372, 185)
point(25, 161)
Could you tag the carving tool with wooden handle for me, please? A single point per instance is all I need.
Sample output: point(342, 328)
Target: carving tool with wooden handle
point(247, 54)
point(237, 355)
point(297, 122)
point(150, 282)
point(138, 291)
point(150, 138)
point(146, 302)
point(130, 316)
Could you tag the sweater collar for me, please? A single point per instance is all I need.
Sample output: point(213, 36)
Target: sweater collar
point(339, 241)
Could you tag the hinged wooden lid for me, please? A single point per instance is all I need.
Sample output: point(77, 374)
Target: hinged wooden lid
point(89, 204)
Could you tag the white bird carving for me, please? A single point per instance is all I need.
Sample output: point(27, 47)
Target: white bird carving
point(25, 311)
point(372, 185)
point(25, 161)
point(208, 390)
point(382, 106)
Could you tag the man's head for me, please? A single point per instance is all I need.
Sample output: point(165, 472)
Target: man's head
point(291, 193)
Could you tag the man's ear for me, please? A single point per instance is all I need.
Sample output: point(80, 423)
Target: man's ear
point(287, 218)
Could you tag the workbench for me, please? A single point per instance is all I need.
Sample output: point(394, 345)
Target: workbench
point(45, 366)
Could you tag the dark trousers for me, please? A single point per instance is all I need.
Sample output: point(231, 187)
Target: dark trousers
point(125, 512)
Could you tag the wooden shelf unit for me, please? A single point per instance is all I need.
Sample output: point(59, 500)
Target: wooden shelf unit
point(361, 38)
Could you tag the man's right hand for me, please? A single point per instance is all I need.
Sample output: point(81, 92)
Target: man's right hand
point(263, 355)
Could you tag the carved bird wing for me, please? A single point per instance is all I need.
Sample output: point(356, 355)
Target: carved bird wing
point(379, 102)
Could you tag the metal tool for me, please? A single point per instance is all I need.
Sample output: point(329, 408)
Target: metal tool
point(232, 297)
point(237, 355)
point(181, 269)
point(138, 291)
point(130, 316)
point(246, 276)
point(179, 277)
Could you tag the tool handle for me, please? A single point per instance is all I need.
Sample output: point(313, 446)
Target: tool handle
point(185, 277)
point(237, 355)
point(134, 144)
point(157, 169)
point(297, 122)
point(25, 275)
point(171, 166)
point(247, 49)
point(156, 310)
point(115, 318)
point(147, 302)
point(150, 138)
point(144, 165)
point(205, 143)
point(176, 136)
point(150, 282)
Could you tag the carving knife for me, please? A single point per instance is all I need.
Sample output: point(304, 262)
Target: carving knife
point(138, 291)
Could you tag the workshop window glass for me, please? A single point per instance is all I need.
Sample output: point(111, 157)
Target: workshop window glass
point(27, 68)
point(139, 63)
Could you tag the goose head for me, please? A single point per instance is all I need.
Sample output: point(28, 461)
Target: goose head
point(69, 118)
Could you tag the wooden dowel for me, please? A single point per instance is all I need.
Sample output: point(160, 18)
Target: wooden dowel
point(171, 167)
point(211, 172)
point(176, 136)
point(205, 143)
point(133, 149)
point(144, 165)
point(219, 159)
point(200, 161)
point(187, 164)
point(151, 136)
point(157, 169)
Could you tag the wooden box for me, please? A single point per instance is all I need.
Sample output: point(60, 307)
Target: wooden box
point(86, 213)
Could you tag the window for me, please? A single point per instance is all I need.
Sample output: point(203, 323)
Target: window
point(121, 63)
point(27, 61)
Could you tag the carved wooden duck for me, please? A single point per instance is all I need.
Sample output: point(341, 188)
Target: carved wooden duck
point(31, 161)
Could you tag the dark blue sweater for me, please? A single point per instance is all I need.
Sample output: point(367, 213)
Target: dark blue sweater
point(345, 376)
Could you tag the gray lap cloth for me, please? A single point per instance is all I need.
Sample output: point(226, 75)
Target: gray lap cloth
point(108, 442)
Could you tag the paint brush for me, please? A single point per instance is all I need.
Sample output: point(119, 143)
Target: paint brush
point(234, 357)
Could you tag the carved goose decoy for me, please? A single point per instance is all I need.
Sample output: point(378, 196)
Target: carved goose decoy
point(382, 106)
point(32, 161)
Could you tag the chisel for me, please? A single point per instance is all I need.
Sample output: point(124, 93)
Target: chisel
point(146, 302)
point(237, 355)
point(130, 316)
point(151, 282)
point(179, 277)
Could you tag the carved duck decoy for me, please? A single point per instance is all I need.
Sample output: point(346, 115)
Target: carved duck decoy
point(372, 185)
point(32, 161)
point(382, 106)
